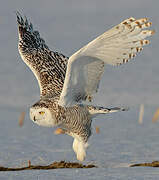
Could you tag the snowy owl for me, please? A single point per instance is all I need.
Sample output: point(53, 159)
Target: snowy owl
point(65, 83)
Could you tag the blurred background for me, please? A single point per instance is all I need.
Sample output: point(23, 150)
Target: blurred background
point(68, 25)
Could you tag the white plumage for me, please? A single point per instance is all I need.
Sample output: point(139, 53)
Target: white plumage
point(114, 47)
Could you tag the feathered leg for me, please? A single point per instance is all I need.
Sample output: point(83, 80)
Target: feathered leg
point(75, 145)
point(81, 152)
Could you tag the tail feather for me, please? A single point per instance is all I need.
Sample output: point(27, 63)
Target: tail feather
point(95, 110)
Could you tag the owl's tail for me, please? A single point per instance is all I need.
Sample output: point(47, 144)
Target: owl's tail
point(96, 110)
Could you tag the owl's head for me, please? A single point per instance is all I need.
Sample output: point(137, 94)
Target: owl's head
point(41, 114)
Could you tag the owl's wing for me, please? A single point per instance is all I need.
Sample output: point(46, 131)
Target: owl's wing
point(115, 47)
point(49, 67)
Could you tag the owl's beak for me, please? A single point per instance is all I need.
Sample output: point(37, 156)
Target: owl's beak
point(34, 118)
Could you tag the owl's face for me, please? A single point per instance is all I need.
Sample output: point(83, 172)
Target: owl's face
point(42, 116)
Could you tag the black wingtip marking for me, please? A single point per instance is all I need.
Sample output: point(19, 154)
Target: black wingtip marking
point(20, 20)
point(23, 22)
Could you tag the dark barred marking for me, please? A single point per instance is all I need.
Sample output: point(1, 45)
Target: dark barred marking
point(49, 67)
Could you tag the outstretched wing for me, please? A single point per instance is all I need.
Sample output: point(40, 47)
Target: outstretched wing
point(49, 67)
point(114, 47)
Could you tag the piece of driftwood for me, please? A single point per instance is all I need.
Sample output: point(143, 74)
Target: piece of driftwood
point(152, 164)
point(54, 165)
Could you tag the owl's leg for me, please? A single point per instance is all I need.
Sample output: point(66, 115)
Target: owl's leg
point(79, 146)
point(81, 152)
point(75, 145)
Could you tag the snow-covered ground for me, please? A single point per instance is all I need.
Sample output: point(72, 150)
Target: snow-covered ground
point(122, 141)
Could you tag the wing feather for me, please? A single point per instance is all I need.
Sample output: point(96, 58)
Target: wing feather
point(48, 67)
point(115, 47)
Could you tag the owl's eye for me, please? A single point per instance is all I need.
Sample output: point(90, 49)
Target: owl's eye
point(41, 112)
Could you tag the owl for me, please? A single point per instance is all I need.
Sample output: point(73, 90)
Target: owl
point(68, 84)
